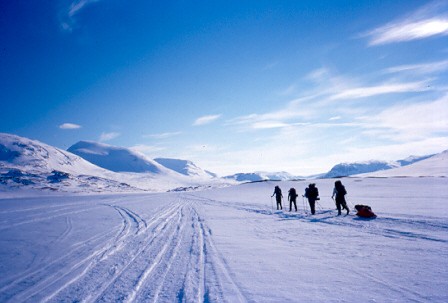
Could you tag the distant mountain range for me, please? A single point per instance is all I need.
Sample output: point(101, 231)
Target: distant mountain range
point(261, 176)
point(434, 166)
point(91, 166)
point(355, 168)
point(96, 167)
point(185, 167)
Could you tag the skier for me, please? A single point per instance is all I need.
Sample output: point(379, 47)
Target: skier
point(312, 193)
point(278, 197)
point(339, 193)
point(292, 196)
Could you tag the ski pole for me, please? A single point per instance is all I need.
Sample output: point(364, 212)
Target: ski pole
point(272, 205)
point(304, 208)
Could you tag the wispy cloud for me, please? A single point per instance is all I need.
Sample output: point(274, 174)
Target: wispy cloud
point(320, 102)
point(369, 91)
point(422, 68)
point(428, 21)
point(410, 122)
point(69, 126)
point(206, 120)
point(109, 136)
point(148, 150)
point(68, 14)
point(163, 135)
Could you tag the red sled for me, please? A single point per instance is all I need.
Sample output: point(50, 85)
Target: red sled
point(364, 211)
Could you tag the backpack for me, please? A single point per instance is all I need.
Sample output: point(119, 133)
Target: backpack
point(292, 192)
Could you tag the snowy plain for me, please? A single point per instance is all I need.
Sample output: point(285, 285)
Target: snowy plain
point(228, 245)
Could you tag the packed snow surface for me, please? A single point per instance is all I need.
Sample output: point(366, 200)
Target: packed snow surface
point(228, 245)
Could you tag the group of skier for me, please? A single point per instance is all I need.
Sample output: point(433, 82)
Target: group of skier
point(312, 194)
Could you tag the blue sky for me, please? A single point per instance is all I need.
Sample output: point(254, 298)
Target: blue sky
point(234, 86)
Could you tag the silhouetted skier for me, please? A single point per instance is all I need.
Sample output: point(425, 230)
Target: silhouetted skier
point(278, 197)
point(292, 197)
point(312, 193)
point(339, 192)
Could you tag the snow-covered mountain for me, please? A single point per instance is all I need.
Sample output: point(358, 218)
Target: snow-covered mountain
point(184, 167)
point(434, 166)
point(33, 164)
point(117, 159)
point(35, 156)
point(412, 159)
point(30, 164)
point(349, 169)
point(261, 176)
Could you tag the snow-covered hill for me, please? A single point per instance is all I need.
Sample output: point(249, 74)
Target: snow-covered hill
point(29, 164)
point(184, 167)
point(434, 166)
point(349, 169)
point(37, 157)
point(261, 176)
point(117, 159)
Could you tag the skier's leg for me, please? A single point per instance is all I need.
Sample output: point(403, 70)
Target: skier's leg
point(313, 206)
point(346, 207)
point(338, 206)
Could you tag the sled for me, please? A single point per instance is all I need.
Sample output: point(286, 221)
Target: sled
point(364, 211)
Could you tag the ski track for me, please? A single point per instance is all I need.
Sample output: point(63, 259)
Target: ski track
point(45, 217)
point(171, 255)
point(139, 260)
point(390, 227)
point(112, 262)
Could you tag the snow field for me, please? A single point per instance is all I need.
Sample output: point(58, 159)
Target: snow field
point(228, 245)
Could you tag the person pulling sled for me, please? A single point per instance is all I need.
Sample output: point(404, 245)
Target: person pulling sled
point(339, 193)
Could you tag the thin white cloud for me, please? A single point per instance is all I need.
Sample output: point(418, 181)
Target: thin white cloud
point(422, 68)
point(429, 21)
point(410, 122)
point(318, 75)
point(269, 124)
point(206, 119)
point(369, 91)
point(109, 136)
point(147, 149)
point(163, 135)
point(68, 15)
point(69, 126)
